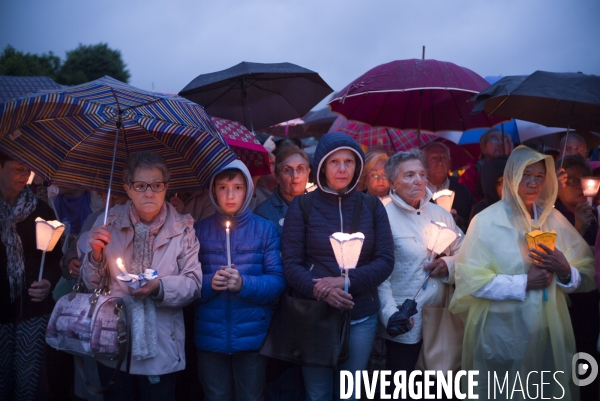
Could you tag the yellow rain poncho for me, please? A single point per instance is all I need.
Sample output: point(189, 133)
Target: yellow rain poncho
point(515, 336)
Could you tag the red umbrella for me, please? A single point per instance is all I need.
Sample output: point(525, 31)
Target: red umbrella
point(245, 145)
point(426, 95)
point(390, 139)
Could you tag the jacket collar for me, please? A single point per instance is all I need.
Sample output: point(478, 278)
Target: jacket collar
point(237, 220)
point(403, 205)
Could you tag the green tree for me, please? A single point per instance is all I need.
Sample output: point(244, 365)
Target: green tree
point(89, 62)
point(17, 63)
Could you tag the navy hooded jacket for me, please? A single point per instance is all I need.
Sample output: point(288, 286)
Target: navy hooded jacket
point(228, 322)
point(307, 251)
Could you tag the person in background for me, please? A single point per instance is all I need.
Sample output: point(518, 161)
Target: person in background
point(196, 203)
point(513, 297)
point(291, 169)
point(492, 177)
point(493, 145)
point(268, 182)
point(373, 177)
point(309, 262)
point(25, 303)
point(147, 233)
point(234, 312)
point(584, 308)
point(438, 163)
point(576, 144)
point(410, 214)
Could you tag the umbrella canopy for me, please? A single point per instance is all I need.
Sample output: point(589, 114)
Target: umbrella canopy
point(68, 135)
point(390, 139)
point(289, 129)
point(427, 95)
point(245, 145)
point(519, 131)
point(258, 95)
point(552, 99)
point(318, 122)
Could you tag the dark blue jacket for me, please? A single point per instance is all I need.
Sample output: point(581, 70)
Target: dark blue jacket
point(228, 322)
point(306, 250)
point(273, 209)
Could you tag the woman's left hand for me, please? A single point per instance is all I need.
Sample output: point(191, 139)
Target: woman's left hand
point(438, 268)
point(151, 288)
point(553, 261)
point(39, 291)
point(323, 286)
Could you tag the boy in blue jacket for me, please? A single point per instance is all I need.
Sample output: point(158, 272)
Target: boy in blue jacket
point(234, 312)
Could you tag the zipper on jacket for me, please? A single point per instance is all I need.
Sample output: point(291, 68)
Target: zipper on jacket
point(341, 217)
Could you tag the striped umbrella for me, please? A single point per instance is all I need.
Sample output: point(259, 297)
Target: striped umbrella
point(69, 136)
point(392, 140)
point(245, 145)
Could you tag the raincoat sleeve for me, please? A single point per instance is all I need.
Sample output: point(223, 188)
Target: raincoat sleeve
point(388, 304)
point(183, 288)
point(267, 287)
point(380, 267)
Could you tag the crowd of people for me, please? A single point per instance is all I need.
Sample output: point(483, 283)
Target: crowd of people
point(524, 309)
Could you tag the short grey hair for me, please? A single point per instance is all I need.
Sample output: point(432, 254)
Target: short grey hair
point(144, 160)
point(430, 145)
point(391, 167)
point(572, 135)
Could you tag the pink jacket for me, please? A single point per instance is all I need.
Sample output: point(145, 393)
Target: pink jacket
point(175, 257)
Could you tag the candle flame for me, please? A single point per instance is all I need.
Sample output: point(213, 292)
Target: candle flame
point(120, 265)
point(228, 224)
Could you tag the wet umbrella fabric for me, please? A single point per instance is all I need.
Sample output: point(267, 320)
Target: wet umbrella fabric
point(389, 139)
point(68, 135)
point(258, 95)
point(549, 98)
point(426, 95)
point(245, 145)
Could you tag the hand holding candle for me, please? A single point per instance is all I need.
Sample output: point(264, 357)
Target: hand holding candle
point(228, 244)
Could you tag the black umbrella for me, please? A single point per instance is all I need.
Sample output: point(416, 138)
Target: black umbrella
point(318, 122)
point(258, 95)
point(570, 100)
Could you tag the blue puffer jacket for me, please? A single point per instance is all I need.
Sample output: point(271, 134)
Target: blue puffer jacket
point(228, 322)
point(307, 252)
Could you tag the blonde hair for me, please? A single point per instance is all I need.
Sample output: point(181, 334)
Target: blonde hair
point(372, 157)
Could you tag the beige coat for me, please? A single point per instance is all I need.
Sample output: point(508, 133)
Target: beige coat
point(175, 257)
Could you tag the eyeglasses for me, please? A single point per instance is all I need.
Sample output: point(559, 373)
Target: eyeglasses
point(300, 170)
point(141, 186)
point(377, 176)
point(573, 181)
point(499, 181)
point(538, 179)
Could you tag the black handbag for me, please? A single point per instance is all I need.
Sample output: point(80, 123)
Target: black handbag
point(308, 332)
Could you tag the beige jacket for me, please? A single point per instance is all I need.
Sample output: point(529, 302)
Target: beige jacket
point(176, 260)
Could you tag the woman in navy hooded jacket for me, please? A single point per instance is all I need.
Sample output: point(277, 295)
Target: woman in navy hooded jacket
point(309, 263)
point(234, 311)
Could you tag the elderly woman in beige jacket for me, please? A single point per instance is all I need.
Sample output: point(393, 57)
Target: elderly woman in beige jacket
point(147, 233)
point(411, 215)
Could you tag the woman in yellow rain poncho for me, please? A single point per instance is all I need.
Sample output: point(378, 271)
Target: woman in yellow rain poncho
point(510, 328)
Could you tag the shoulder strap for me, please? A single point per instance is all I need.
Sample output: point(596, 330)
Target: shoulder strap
point(371, 202)
point(305, 203)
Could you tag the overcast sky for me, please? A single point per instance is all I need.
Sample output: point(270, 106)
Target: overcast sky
point(167, 43)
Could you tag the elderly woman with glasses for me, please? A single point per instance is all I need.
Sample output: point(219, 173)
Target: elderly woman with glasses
point(373, 177)
point(512, 297)
point(291, 169)
point(147, 233)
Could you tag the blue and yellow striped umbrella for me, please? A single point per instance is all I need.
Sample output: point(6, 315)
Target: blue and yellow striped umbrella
point(68, 135)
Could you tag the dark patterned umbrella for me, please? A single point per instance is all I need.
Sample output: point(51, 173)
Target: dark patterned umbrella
point(258, 95)
point(426, 95)
point(69, 136)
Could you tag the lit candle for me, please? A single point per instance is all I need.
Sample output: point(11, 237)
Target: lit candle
point(120, 265)
point(228, 246)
